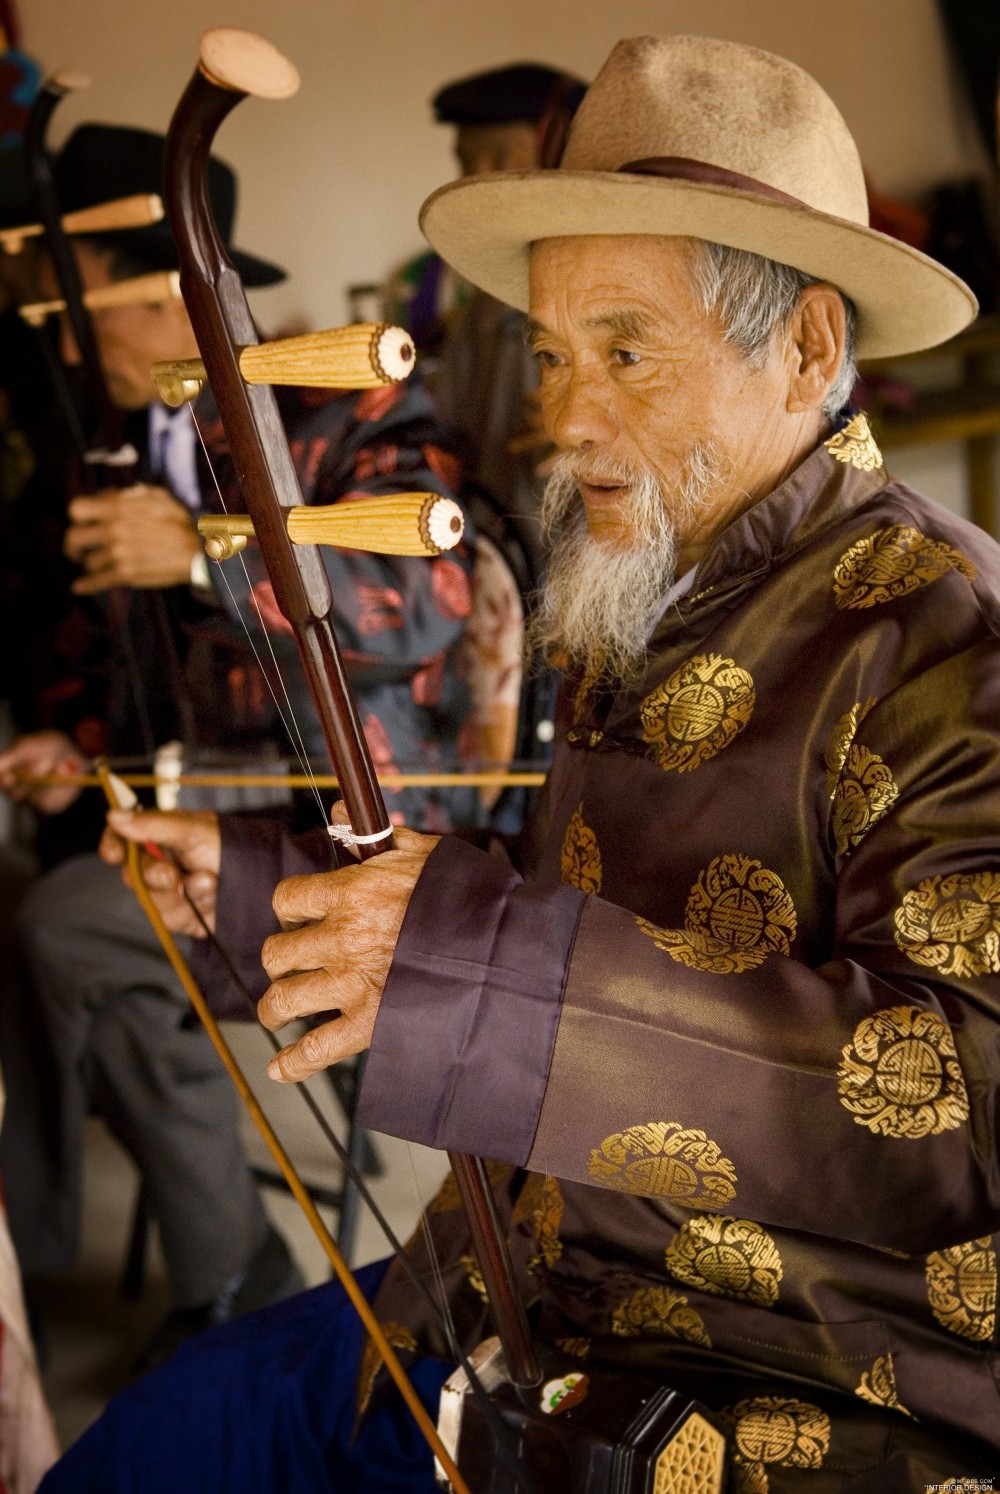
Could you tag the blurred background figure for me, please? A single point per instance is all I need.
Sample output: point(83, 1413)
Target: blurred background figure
point(168, 657)
point(484, 378)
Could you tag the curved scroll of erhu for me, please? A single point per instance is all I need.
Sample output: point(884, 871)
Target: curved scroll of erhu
point(235, 64)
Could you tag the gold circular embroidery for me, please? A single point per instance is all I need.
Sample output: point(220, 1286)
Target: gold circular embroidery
point(541, 1203)
point(728, 1257)
point(371, 1361)
point(878, 1386)
point(474, 1275)
point(855, 446)
point(900, 1075)
point(697, 712)
point(892, 563)
point(580, 864)
point(952, 924)
point(584, 690)
point(750, 1478)
point(447, 1199)
point(662, 1311)
point(773, 1429)
point(662, 1159)
point(737, 914)
point(577, 1348)
point(843, 735)
point(962, 1289)
point(864, 793)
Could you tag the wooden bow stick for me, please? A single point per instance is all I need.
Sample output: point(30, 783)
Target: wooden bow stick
point(120, 797)
point(391, 781)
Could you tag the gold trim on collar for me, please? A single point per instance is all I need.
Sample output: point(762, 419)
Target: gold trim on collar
point(855, 445)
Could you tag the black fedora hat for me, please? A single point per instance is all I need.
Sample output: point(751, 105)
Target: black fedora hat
point(101, 162)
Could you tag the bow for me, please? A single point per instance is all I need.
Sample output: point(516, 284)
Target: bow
point(232, 66)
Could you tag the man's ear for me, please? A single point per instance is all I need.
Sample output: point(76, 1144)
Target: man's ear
point(817, 333)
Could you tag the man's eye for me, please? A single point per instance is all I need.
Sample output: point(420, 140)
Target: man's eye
point(546, 358)
point(625, 357)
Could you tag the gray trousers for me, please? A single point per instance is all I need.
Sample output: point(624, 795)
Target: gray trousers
point(103, 1027)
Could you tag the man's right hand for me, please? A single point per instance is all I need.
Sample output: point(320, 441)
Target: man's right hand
point(194, 842)
point(39, 755)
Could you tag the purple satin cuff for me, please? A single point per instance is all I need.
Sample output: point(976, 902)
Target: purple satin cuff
point(465, 1032)
point(257, 851)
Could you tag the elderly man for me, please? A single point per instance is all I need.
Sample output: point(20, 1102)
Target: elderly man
point(739, 1021)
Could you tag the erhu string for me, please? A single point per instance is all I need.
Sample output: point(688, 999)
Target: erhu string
point(444, 1306)
point(294, 736)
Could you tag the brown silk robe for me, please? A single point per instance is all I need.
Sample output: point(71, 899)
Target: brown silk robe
point(745, 1010)
point(741, 1022)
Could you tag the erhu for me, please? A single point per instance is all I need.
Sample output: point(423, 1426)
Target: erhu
point(572, 1431)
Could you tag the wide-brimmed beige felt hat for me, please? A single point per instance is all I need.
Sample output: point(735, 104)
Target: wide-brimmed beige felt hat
point(692, 135)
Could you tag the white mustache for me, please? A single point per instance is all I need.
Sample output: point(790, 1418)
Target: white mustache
point(601, 600)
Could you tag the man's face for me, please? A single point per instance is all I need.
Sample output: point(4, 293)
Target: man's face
point(129, 338)
point(497, 147)
point(634, 371)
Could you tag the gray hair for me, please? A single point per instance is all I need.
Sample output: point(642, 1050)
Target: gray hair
point(753, 297)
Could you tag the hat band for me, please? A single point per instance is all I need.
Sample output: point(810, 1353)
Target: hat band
point(684, 168)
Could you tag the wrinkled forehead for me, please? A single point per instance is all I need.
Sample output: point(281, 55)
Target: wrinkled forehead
point(581, 270)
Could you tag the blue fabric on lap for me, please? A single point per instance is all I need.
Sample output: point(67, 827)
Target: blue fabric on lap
point(263, 1405)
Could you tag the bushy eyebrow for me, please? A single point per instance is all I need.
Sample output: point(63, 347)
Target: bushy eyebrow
point(625, 322)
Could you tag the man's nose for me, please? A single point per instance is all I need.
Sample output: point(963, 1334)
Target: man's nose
point(580, 413)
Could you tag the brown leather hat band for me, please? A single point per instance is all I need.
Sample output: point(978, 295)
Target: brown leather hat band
point(683, 168)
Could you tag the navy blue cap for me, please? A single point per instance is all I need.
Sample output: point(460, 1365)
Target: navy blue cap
point(523, 91)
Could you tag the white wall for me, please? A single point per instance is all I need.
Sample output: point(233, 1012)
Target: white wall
point(331, 181)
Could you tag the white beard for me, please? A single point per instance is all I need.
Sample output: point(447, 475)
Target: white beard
point(601, 601)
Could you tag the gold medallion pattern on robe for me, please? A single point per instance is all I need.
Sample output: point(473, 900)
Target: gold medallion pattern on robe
point(371, 1361)
point(891, 563)
point(749, 1478)
point(580, 864)
point(576, 1348)
point(584, 690)
point(855, 446)
point(697, 712)
point(474, 1275)
point(541, 1203)
point(737, 914)
point(447, 1199)
point(865, 791)
point(900, 1076)
point(780, 1430)
point(952, 924)
point(878, 1386)
point(727, 1257)
point(661, 1311)
point(840, 743)
point(663, 1159)
point(962, 1289)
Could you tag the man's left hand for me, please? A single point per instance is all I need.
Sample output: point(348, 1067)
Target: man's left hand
point(342, 932)
point(139, 536)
